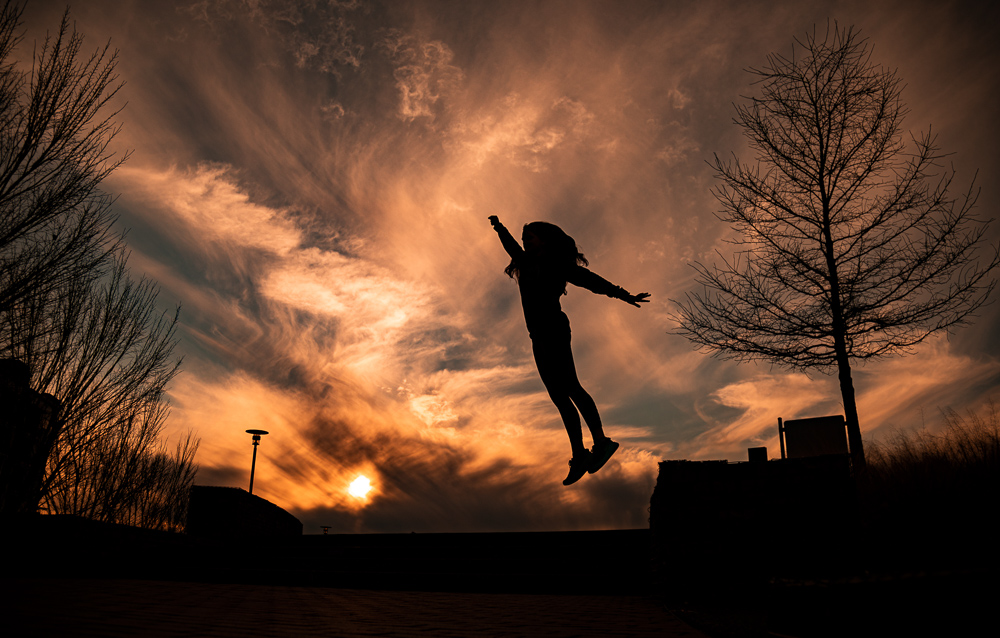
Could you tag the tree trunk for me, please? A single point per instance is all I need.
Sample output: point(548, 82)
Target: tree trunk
point(850, 411)
point(839, 327)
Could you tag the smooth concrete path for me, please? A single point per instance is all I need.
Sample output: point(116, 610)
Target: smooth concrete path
point(112, 608)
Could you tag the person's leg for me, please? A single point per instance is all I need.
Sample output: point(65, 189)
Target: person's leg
point(604, 448)
point(588, 408)
point(552, 369)
point(561, 356)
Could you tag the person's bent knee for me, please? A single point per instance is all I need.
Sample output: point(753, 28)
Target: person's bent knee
point(577, 392)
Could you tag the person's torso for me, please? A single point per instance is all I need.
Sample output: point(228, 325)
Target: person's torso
point(541, 287)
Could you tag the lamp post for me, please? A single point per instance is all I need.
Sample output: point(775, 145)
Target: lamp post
point(253, 465)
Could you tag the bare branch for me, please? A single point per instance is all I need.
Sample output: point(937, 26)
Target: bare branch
point(90, 334)
point(852, 247)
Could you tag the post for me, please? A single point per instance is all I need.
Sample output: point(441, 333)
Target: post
point(253, 464)
point(781, 437)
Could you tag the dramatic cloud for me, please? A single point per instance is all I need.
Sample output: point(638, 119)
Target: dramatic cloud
point(311, 182)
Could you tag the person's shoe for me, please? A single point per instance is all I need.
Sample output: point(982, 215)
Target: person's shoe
point(578, 466)
point(602, 452)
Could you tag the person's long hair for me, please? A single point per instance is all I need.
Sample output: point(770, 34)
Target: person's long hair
point(560, 252)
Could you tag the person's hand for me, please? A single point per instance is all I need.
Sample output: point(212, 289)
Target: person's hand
point(495, 221)
point(635, 300)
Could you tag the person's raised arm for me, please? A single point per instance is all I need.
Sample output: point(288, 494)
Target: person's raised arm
point(509, 243)
point(580, 276)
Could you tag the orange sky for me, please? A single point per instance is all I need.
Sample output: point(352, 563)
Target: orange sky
point(311, 182)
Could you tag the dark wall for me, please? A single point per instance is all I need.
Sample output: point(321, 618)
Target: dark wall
point(233, 512)
point(752, 518)
point(29, 426)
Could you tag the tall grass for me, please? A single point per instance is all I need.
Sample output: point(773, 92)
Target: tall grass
point(935, 493)
point(967, 451)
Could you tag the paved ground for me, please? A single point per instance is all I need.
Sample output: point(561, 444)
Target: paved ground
point(120, 607)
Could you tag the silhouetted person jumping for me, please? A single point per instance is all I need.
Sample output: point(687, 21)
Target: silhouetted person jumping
point(548, 260)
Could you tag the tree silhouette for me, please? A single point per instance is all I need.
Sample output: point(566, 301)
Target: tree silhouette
point(850, 246)
point(104, 351)
point(90, 335)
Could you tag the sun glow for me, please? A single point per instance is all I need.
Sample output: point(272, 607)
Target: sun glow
point(360, 487)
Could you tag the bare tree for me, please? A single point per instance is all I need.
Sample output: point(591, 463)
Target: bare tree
point(849, 243)
point(90, 335)
point(56, 126)
point(102, 348)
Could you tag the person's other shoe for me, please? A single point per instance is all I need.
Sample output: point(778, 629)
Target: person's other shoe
point(578, 466)
point(602, 451)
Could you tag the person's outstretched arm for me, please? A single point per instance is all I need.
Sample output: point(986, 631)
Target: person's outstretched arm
point(580, 276)
point(509, 243)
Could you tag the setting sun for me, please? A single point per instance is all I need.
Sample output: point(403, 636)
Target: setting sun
point(360, 487)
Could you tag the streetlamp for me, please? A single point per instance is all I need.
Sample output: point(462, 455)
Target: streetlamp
point(253, 465)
